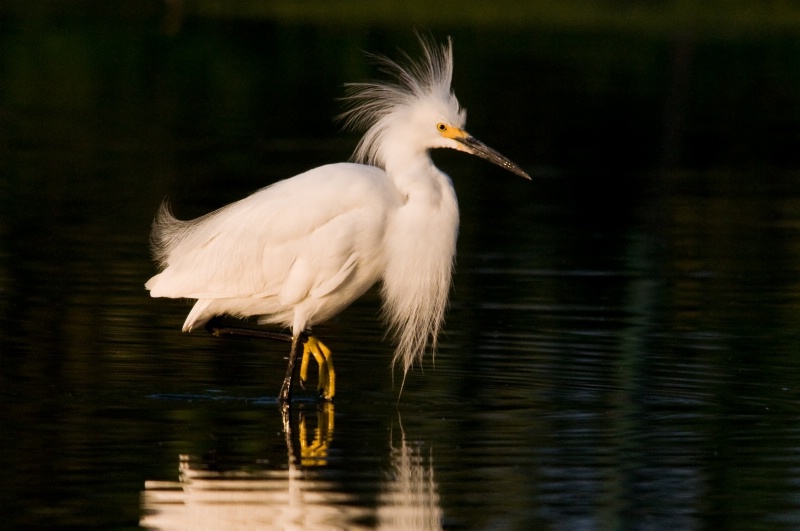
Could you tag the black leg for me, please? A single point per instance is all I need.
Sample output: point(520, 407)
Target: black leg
point(286, 389)
point(218, 329)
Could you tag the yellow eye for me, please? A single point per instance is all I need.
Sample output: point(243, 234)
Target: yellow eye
point(441, 127)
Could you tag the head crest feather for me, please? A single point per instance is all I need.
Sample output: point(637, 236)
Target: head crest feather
point(372, 104)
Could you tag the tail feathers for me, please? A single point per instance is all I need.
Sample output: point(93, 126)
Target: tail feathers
point(151, 284)
point(198, 316)
point(168, 232)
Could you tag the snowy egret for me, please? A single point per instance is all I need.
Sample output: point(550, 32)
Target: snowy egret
point(298, 252)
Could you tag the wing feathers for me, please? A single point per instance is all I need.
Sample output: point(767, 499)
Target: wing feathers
point(258, 247)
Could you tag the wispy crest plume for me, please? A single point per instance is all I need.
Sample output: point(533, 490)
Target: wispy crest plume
point(372, 104)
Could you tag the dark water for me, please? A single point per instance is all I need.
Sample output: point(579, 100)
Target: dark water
point(622, 345)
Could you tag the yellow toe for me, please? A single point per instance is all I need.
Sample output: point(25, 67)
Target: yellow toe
point(327, 376)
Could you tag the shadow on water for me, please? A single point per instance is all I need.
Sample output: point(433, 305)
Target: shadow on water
point(621, 349)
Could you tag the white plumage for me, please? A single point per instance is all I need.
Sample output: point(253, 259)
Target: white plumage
point(298, 252)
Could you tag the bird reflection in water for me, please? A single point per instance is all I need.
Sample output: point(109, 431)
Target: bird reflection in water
point(301, 496)
point(305, 451)
point(410, 498)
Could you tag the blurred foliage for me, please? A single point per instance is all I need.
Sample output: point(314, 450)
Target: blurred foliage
point(721, 17)
point(614, 84)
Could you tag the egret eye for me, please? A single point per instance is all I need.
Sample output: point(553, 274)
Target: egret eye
point(441, 127)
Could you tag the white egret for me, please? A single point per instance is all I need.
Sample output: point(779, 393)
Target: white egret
point(298, 252)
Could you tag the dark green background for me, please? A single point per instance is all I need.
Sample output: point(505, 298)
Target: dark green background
point(621, 349)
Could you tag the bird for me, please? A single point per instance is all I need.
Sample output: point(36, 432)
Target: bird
point(298, 252)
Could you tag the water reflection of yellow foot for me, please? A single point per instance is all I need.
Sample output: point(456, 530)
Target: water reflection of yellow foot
point(326, 383)
point(315, 452)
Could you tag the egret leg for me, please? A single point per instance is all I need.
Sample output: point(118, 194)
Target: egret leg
point(311, 347)
point(326, 384)
point(298, 342)
point(218, 329)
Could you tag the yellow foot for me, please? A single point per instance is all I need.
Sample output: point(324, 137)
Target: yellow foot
point(326, 384)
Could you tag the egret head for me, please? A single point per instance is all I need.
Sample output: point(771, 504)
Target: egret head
point(415, 112)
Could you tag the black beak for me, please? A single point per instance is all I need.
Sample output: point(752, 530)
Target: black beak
point(476, 147)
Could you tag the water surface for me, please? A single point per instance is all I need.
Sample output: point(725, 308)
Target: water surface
point(621, 349)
